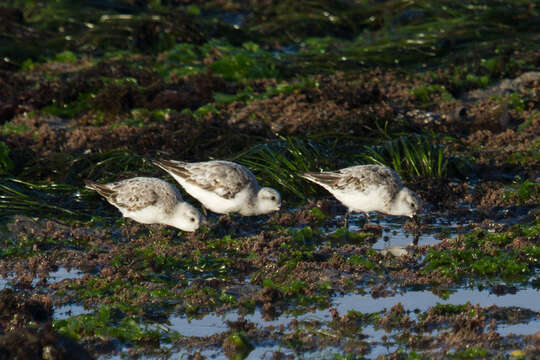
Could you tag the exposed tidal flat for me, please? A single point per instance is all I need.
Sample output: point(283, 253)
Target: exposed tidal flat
point(445, 93)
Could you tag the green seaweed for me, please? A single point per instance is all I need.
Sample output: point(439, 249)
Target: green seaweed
point(428, 94)
point(448, 309)
point(412, 156)
point(71, 110)
point(472, 353)
point(485, 256)
point(20, 197)
point(524, 192)
point(112, 323)
point(237, 346)
point(6, 164)
point(279, 163)
point(65, 56)
point(9, 128)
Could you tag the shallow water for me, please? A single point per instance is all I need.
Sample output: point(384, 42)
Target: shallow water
point(532, 327)
point(423, 300)
point(393, 233)
point(64, 274)
point(264, 352)
point(53, 277)
point(414, 301)
point(67, 311)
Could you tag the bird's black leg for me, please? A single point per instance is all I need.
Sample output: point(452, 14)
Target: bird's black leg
point(367, 218)
point(416, 230)
point(347, 220)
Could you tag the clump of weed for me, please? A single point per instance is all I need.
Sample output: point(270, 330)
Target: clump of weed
point(20, 197)
point(11, 127)
point(70, 110)
point(233, 63)
point(107, 166)
point(110, 322)
point(524, 192)
point(65, 56)
point(281, 162)
point(410, 156)
point(237, 346)
point(6, 165)
point(428, 94)
point(485, 255)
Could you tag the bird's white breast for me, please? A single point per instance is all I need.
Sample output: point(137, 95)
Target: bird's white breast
point(372, 199)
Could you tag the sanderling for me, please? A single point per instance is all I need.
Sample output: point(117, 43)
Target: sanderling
point(223, 187)
point(150, 201)
point(365, 188)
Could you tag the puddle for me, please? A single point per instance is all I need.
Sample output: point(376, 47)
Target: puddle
point(209, 325)
point(261, 352)
point(419, 301)
point(67, 311)
point(122, 353)
point(423, 300)
point(393, 235)
point(532, 327)
point(267, 353)
point(64, 274)
point(411, 300)
point(54, 277)
point(379, 350)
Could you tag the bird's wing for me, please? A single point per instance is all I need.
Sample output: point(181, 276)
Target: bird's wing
point(131, 194)
point(359, 179)
point(371, 178)
point(224, 178)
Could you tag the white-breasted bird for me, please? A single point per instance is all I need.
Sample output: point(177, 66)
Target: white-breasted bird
point(150, 201)
point(365, 188)
point(223, 187)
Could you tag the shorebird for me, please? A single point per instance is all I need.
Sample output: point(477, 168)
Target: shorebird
point(223, 187)
point(365, 188)
point(150, 201)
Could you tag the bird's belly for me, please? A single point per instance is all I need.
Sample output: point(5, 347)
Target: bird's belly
point(362, 202)
point(148, 215)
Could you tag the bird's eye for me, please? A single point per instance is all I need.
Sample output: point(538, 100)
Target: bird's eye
point(192, 219)
point(273, 198)
point(413, 205)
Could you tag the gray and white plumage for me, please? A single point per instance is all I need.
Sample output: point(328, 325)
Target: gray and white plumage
point(149, 201)
point(223, 187)
point(365, 188)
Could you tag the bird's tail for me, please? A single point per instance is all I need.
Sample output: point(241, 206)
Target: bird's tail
point(172, 166)
point(321, 178)
point(308, 176)
point(91, 185)
point(103, 190)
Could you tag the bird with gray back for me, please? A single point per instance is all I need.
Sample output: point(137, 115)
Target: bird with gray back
point(150, 201)
point(365, 188)
point(223, 187)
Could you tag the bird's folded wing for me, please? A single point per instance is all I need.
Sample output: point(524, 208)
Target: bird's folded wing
point(223, 178)
point(361, 178)
point(132, 195)
point(358, 179)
